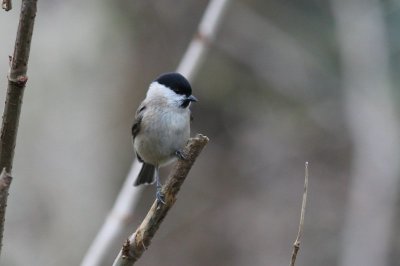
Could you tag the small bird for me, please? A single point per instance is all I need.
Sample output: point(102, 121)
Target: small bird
point(162, 127)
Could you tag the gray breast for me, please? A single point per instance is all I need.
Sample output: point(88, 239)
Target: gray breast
point(159, 140)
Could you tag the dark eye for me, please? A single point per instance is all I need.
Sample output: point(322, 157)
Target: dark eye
point(185, 103)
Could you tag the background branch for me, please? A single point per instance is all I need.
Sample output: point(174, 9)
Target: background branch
point(202, 39)
point(296, 245)
point(117, 220)
point(138, 242)
point(373, 125)
point(16, 83)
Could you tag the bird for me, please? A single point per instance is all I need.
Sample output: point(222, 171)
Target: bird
point(162, 127)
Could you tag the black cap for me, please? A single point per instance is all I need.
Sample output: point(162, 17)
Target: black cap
point(176, 82)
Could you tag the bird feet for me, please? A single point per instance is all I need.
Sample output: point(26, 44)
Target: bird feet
point(159, 195)
point(181, 155)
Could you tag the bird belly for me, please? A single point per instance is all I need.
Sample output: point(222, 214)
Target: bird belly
point(158, 145)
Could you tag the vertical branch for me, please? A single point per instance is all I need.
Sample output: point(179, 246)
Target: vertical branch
point(373, 124)
point(16, 83)
point(296, 245)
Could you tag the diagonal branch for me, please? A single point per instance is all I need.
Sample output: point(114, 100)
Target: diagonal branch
point(296, 245)
point(194, 55)
point(139, 241)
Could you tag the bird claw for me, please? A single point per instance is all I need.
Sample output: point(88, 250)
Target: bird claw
point(160, 196)
point(181, 155)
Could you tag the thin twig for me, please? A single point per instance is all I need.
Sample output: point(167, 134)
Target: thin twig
point(16, 84)
point(296, 245)
point(5, 182)
point(140, 240)
point(6, 5)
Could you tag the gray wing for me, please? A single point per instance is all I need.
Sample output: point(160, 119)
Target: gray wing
point(136, 125)
point(138, 120)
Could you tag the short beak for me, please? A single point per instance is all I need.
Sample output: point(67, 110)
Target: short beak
point(192, 98)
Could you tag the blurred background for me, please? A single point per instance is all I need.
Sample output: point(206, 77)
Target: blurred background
point(283, 82)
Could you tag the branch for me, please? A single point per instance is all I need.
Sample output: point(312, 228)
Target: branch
point(5, 182)
point(6, 5)
point(16, 83)
point(372, 120)
point(296, 245)
point(139, 241)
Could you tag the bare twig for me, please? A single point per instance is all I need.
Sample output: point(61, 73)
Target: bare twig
point(16, 83)
point(5, 182)
point(6, 5)
point(296, 245)
point(139, 241)
point(116, 222)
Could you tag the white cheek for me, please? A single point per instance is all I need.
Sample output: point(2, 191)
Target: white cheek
point(159, 91)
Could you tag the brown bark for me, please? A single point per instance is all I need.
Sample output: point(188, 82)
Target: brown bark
point(16, 84)
point(139, 241)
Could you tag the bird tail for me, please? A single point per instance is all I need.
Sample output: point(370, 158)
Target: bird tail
point(146, 175)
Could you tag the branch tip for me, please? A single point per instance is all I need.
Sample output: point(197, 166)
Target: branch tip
point(296, 244)
point(201, 137)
